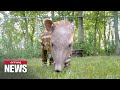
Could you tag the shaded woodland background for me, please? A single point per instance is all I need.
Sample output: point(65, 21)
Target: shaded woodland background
point(97, 32)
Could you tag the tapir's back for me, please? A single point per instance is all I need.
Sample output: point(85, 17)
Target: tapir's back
point(63, 23)
point(46, 38)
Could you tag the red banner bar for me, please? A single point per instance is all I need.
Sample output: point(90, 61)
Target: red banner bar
point(15, 62)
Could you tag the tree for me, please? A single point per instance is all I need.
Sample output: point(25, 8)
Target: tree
point(81, 32)
point(95, 32)
point(52, 14)
point(116, 32)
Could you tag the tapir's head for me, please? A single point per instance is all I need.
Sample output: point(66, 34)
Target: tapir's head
point(62, 33)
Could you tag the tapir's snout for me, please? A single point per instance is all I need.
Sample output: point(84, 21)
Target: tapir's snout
point(57, 71)
point(58, 68)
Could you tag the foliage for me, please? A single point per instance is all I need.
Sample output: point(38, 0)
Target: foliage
point(21, 34)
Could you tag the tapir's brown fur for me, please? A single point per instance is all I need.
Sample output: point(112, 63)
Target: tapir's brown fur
point(46, 46)
point(57, 40)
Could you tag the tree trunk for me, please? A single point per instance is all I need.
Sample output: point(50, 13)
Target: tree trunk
point(100, 36)
point(81, 32)
point(52, 13)
point(38, 32)
point(26, 31)
point(95, 40)
point(32, 35)
point(108, 40)
point(116, 32)
point(105, 45)
point(112, 35)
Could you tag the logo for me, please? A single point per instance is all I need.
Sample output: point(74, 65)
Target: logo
point(15, 66)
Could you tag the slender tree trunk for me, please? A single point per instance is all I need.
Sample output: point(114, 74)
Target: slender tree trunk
point(31, 38)
point(105, 45)
point(95, 40)
point(52, 13)
point(108, 39)
point(100, 36)
point(116, 32)
point(26, 31)
point(3, 34)
point(112, 35)
point(38, 32)
point(109, 32)
point(81, 32)
point(94, 50)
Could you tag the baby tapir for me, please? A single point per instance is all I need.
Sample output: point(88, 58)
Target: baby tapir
point(57, 42)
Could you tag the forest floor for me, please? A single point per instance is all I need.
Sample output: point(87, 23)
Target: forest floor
point(90, 67)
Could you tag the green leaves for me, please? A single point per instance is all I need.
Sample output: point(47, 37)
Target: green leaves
point(25, 28)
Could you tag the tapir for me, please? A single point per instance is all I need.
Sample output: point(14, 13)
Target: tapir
point(57, 43)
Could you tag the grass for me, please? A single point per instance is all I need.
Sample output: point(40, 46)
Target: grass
point(92, 67)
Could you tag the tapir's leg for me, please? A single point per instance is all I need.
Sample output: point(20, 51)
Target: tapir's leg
point(67, 63)
point(44, 56)
point(51, 60)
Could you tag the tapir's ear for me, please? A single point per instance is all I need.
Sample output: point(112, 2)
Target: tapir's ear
point(48, 24)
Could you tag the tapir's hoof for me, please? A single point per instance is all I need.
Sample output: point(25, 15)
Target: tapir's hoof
point(43, 65)
point(51, 64)
point(66, 65)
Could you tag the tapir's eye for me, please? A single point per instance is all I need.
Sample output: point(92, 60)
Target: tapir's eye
point(70, 45)
point(52, 44)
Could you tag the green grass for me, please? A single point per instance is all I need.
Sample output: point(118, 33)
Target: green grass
point(92, 67)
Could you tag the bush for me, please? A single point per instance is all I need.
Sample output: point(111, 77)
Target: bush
point(30, 52)
point(88, 49)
